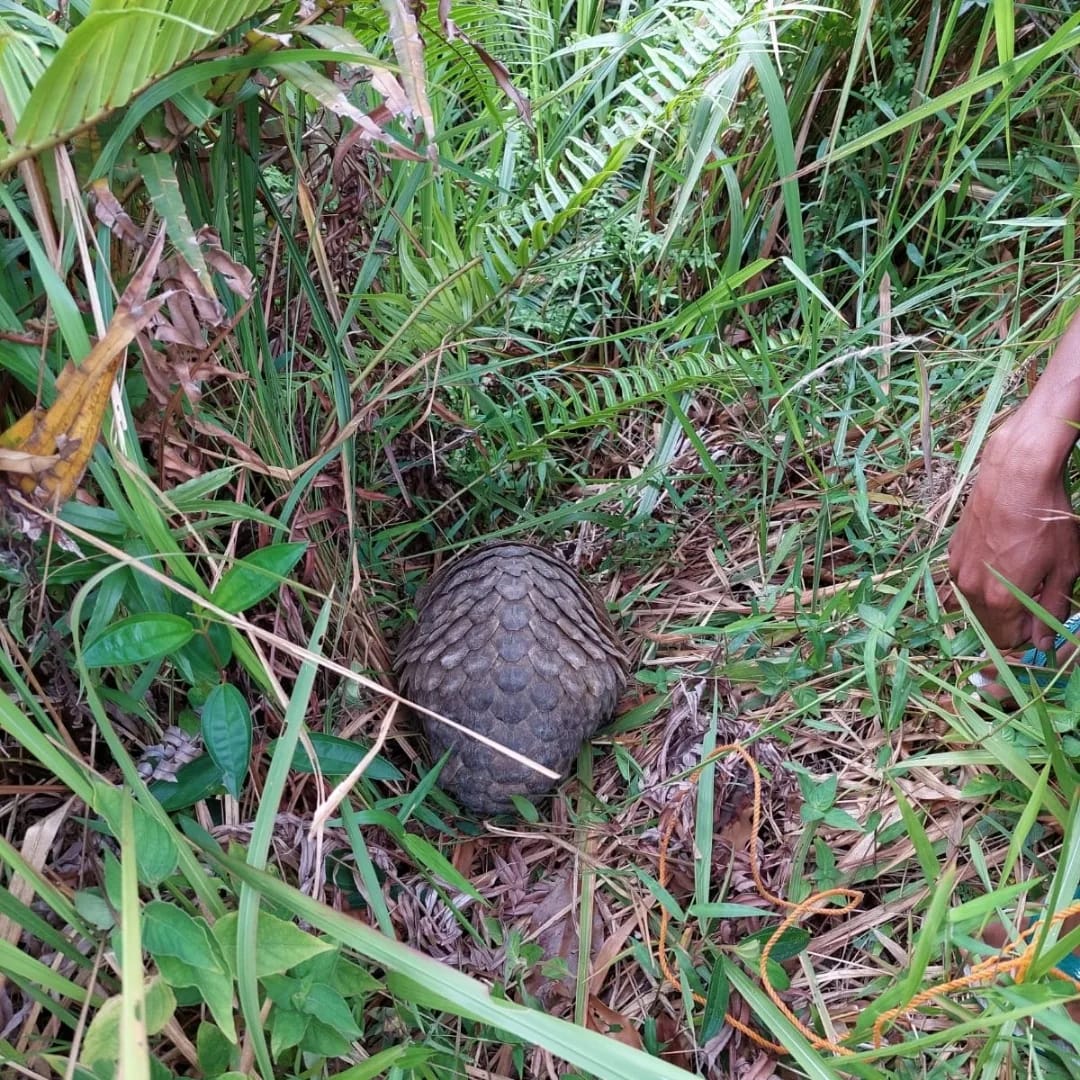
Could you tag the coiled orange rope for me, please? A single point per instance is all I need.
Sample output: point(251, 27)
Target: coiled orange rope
point(812, 905)
point(987, 970)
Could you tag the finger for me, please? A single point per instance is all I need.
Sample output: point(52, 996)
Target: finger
point(1055, 597)
point(946, 594)
point(996, 610)
point(995, 935)
point(1042, 635)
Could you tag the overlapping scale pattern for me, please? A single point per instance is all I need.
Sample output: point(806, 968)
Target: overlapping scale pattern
point(511, 643)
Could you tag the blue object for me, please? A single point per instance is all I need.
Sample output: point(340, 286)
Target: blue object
point(1068, 965)
point(1036, 658)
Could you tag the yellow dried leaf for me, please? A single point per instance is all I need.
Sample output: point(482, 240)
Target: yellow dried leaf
point(67, 431)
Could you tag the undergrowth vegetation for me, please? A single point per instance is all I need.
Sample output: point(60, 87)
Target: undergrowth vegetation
point(718, 300)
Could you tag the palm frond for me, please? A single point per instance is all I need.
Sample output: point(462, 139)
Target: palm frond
point(100, 65)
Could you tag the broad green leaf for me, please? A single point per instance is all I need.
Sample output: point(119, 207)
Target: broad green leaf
point(278, 945)
point(338, 757)
point(216, 988)
point(102, 1042)
point(170, 931)
point(226, 730)
point(187, 954)
point(155, 852)
point(195, 781)
point(113, 54)
point(137, 639)
point(256, 576)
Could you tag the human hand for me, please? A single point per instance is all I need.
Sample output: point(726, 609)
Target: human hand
point(1019, 522)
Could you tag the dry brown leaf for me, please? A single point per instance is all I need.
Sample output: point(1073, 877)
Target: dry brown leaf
point(189, 372)
point(36, 847)
point(672, 1032)
point(615, 1025)
point(69, 428)
point(393, 95)
point(498, 70)
point(409, 50)
point(237, 276)
point(190, 309)
point(176, 343)
point(113, 216)
point(609, 952)
point(554, 923)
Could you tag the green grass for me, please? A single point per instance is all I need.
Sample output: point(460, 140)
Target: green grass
point(726, 320)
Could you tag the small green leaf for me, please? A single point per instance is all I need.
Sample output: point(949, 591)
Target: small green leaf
point(93, 907)
point(1072, 693)
point(226, 730)
point(328, 1006)
point(792, 942)
point(287, 1028)
point(137, 639)
point(256, 576)
point(777, 975)
point(168, 930)
point(197, 662)
point(823, 792)
point(525, 808)
point(280, 989)
point(338, 757)
point(278, 945)
point(343, 975)
point(841, 819)
point(323, 1040)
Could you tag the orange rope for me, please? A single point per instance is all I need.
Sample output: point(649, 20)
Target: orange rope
point(984, 971)
point(1003, 964)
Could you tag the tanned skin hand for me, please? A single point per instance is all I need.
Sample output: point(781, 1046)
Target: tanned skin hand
point(1018, 519)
